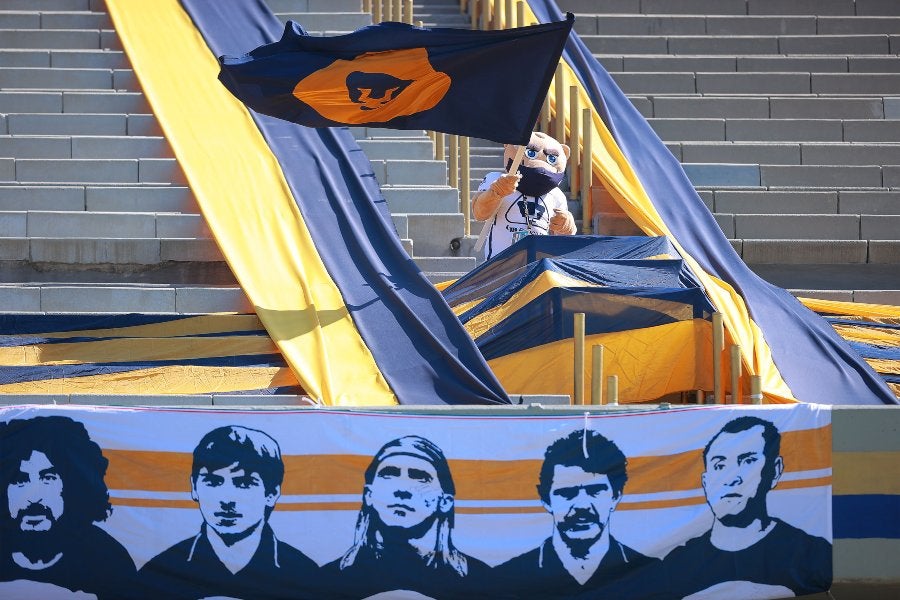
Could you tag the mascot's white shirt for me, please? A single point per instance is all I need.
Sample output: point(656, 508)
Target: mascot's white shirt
point(519, 215)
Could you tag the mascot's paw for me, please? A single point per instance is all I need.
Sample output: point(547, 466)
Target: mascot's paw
point(562, 223)
point(505, 185)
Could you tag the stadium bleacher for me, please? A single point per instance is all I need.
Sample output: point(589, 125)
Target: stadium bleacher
point(785, 116)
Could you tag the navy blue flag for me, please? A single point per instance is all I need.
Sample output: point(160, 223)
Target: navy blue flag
point(485, 84)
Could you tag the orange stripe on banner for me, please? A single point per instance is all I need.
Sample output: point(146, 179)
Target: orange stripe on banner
point(653, 504)
point(152, 503)
point(339, 474)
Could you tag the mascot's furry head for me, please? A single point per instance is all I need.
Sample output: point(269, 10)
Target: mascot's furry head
point(543, 165)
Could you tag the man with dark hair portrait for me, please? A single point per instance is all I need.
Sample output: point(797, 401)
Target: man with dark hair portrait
point(236, 480)
point(54, 490)
point(581, 482)
point(402, 539)
point(747, 553)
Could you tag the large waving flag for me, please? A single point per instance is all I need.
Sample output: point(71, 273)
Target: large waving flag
point(300, 219)
point(486, 84)
point(798, 355)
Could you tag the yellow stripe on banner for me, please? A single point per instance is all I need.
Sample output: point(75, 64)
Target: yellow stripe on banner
point(869, 334)
point(140, 349)
point(867, 473)
point(649, 362)
point(860, 309)
point(246, 201)
point(185, 379)
point(476, 480)
point(614, 170)
point(544, 282)
point(202, 324)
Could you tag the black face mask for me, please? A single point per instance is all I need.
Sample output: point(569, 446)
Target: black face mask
point(536, 182)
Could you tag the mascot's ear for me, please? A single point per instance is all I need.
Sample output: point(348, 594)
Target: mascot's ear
point(566, 150)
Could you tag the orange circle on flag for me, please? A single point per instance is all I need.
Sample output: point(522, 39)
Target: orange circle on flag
point(374, 87)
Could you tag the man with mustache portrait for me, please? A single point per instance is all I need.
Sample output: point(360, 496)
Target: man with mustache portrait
point(581, 482)
point(236, 480)
point(54, 490)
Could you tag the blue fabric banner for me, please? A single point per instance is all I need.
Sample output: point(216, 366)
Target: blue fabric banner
point(419, 345)
point(399, 76)
point(813, 360)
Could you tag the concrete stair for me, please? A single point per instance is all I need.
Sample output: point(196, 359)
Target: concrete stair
point(785, 116)
point(95, 213)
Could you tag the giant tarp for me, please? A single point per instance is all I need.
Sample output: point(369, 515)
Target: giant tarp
point(300, 220)
point(797, 354)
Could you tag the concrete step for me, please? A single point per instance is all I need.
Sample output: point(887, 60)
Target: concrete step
point(122, 298)
point(742, 44)
point(73, 252)
point(315, 6)
point(54, 20)
point(733, 7)
point(341, 21)
point(775, 107)
point(407, 149)
point(78, 170)
point(822, 252)
point(818, 176)
point(73, 224)
point(51, 39)
point(410, 172)
point(71, 59)
point(797, 227)
point(108, 102)
point(786, 25)
point(767, 202)
point(784, 153)
point(84, 147)
point(421, 199)
point(109, 198)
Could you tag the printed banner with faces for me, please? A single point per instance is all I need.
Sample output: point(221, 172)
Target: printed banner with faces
point(702, 502)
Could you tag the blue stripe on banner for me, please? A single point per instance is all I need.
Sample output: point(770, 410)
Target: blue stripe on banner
point(42, 372)
point(813, 360)
point(23, 324)
point(866, 516)
point(32, 340)
point(421, 348)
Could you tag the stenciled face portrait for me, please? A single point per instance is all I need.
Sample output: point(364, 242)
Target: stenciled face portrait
point(35, 494)
point(232, 501)
point(580, 502)
point(733, 481)
point(405, 491)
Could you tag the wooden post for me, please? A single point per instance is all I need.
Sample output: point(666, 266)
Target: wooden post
point(367, 6)
point(376, 11)
point(453, 161)
point(473, 14)
point(497, 18)
point(560, 99)
point(574, 135)
point(718, 346)
point(736, 374)
point(508, 13)
point(544, 120)
point(485, 14)
point(439, 153)
point(756, 396)
point(520, 13)
point(587, 169)
point(466, 189)
point(579, 358)
point(408, 12)
point(597, 374)
point(612, 390)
